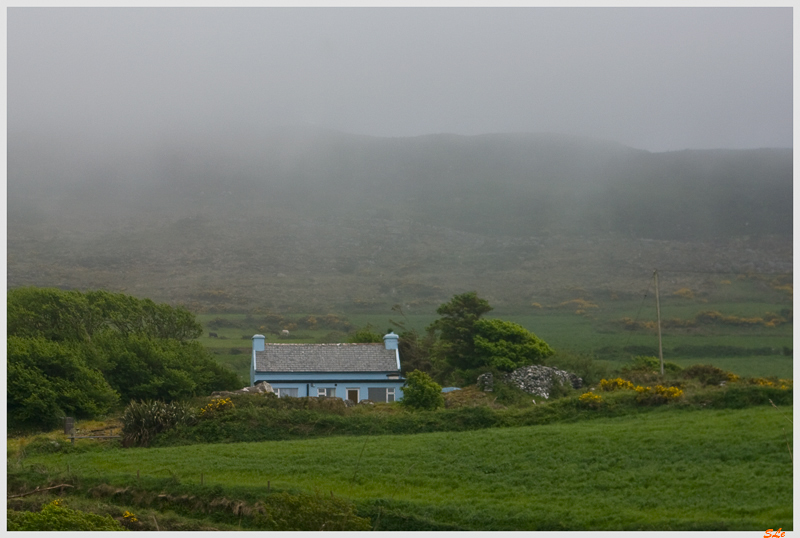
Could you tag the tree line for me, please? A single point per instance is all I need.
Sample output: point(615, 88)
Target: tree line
point(83, 354)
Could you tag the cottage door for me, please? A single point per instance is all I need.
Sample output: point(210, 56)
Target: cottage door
point(352, 395)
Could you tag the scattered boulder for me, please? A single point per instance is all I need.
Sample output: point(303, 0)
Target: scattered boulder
point(537, 379)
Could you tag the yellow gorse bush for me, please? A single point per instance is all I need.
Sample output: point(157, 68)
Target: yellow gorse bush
point(609, 385)
point(686, 293)
point(129, 516)
point(762, 382)
point(590, 397)
point(220, 404)
point(671, 393)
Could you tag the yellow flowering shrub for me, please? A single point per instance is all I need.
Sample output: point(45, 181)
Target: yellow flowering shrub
point(686, 293)
point(671, 393)
point(215, 406)
point(761, 382)
point(657, 395)
point(129, 516)
point(609, 385)
point(589, 399)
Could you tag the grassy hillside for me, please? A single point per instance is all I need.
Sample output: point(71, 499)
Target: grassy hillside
point(306, 220)
point(669, 469)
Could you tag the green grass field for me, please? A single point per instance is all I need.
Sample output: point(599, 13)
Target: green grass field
point(664, 470)
point(593, 333)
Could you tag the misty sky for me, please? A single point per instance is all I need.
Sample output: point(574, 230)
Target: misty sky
point(653, 78)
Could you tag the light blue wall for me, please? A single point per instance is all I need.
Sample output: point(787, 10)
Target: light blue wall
point(306, 389)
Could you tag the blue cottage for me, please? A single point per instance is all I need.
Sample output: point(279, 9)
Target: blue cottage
point(349, 371)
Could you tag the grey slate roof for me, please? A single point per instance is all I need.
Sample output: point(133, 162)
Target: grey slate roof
point(326, 358)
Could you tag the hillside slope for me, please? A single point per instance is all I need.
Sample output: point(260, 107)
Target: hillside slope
point(303, 218)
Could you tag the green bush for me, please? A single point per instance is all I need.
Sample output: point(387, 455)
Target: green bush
point(47, 380)
point(365, 335)
point(56, 517)
point(706, 374)
point(78, 354)
point(506, 345)
point(560, 389)
point(422, 392)
point(644, 362)
point(142, 421)
point(739, 397)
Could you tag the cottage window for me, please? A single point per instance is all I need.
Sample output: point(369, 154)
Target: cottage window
point(330, 391)
point(377, 394)
point(282, 393)
point(390, 394)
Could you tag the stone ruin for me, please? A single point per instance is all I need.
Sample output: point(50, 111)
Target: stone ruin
point(535, 379)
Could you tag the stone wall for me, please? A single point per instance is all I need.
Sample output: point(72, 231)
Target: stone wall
point(538, 379)
point(534, 379)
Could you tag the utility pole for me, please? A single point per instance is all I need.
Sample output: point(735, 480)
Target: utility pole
point(658, 317)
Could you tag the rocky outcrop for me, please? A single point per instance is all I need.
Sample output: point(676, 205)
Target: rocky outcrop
point(261, 386)
point(534, 379)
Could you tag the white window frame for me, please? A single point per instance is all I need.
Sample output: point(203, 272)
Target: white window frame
point(358, 394)
point(279, 392)
point(390, 392)
point(323, 391)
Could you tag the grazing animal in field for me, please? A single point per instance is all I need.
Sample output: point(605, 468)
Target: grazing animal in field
point(284, 333)
point(213, 335)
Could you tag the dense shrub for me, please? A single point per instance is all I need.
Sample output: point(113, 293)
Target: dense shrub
point(590, 400)
point(47, 381)
point(706, 374)
point(657, 395)
point(644, 362)
point(506, 345)
point(584, 366)
point(215, 407)
point(422, 392)
point(610, 385)
point(738, 397)
point(142, 421)
point(56, 517)
point(140, 367)
point(365, 335)
point(78, 354)
point(61, 316)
